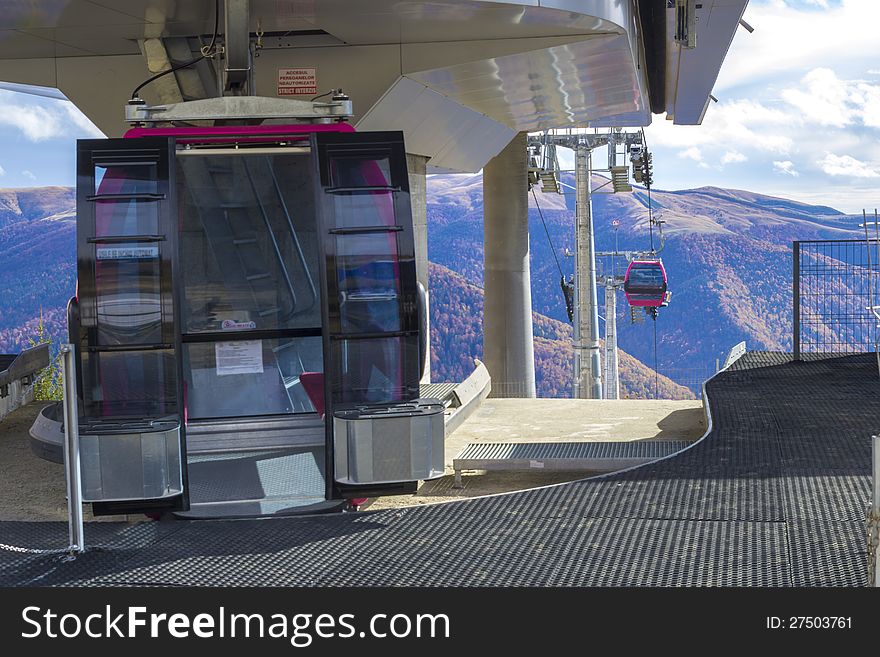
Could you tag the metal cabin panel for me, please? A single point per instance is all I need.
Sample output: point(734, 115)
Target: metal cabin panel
point(404, 442)
point(133, 444)
point(371, 314)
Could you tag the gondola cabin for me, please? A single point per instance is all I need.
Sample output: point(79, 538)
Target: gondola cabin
point(645, 283)
point(247, 321)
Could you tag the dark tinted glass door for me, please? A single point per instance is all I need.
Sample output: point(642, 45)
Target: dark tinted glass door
point(372, 308)
point(125, 234)
point(250, 304)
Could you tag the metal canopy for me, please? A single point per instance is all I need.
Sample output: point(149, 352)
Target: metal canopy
point(498, 67)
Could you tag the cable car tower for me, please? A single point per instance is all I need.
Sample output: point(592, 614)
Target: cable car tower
point(582, 289)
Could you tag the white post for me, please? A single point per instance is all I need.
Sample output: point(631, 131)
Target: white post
point(874, 517)
point(612, 378)
point(71, 452)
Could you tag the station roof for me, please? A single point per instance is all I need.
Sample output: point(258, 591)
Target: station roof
point(460, 77)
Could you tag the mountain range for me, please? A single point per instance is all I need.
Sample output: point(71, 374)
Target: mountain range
point(726, 252)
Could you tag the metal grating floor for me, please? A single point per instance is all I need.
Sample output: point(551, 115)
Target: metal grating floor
point(774, 496)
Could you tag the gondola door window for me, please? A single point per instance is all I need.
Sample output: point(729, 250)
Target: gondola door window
point(250, 303)
point(125, 271)
point(372, 295)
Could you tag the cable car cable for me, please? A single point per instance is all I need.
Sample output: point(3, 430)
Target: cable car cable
point(656, 373)
point(549, 241)
point(206, 52)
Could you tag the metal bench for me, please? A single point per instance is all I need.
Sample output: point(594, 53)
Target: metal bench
point(549, 457)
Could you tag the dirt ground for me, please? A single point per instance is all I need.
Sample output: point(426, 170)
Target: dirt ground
point(31, 488)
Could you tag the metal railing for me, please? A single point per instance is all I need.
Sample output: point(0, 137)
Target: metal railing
point(831, 297)
point(25, 365)
point(736, 352)
point(71, 452)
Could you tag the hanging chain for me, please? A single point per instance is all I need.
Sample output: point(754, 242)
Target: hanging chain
point(258, 46)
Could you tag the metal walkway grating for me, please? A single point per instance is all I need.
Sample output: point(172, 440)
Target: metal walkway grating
point(772, 497)
point(649, 449)
point(551, 457)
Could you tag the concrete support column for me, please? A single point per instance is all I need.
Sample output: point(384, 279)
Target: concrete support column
point(508, 348)
point(418, 194)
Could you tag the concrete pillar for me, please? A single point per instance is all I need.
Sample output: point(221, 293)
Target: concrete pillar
point(508, 348)
point(418, 194)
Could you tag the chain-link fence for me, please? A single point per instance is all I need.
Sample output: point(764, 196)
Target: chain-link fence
point(832, 294)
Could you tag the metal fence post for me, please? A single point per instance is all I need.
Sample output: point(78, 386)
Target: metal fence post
point(874, 516)
point(71, 452)
point(796, 299)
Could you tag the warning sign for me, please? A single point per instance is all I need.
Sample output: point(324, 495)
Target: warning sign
point(297, 81)
point(245, 357)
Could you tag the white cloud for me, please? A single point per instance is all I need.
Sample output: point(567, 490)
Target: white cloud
point(786, 167)
point(742, 124)
point(818, 3)
point(82, 122)
point(35, 123)
point(692, 153)
point(790, 38)
point(29, 175)
point(805, 83)
point(733, 157)
point(825, 99)
point(868, 98)
point(2, 171)
point(41, 120)
point(846, 165)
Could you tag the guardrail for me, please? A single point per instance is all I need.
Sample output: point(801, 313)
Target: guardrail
point(735, 353)
point(25, 365)
point(17, 374)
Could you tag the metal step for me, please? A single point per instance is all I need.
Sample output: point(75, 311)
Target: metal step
point(254, 509)
point(552, 457)
point(620, 179)
point(260, 482)
point(549, 182)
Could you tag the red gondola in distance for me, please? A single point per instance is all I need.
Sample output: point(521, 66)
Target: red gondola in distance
point(645, 283)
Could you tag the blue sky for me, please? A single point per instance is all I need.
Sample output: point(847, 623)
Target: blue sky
point(798, 111)
point(798, 114)
point(37, 140)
